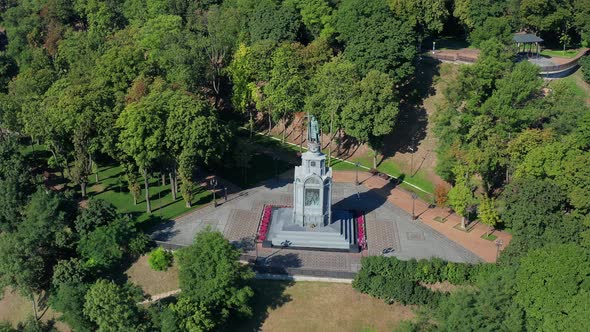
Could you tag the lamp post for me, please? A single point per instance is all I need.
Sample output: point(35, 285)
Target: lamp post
point(225, 193)
point(214, 185)
point(433, 47)
point(499, 244)
point(357, 173)
point(414, 196)
point(412, 162)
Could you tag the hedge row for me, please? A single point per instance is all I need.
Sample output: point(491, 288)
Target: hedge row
point(391, 279)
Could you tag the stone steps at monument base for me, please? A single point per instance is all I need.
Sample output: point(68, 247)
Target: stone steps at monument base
point(310, 240)
point(341, 238)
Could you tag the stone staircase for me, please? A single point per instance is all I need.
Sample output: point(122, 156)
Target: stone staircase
point(339, 235)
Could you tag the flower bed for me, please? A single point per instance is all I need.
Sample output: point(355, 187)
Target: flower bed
point(264, 222)
point(361, 240)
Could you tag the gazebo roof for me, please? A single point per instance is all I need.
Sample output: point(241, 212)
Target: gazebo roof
point(526, 38)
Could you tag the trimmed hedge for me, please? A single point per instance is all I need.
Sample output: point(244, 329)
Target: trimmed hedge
point(394, 280)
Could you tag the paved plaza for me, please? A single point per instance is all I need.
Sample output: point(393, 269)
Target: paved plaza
point(390, 230)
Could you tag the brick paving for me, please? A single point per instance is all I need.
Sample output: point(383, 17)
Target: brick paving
point(390, 230)
point(472, 241)
point(381, 235)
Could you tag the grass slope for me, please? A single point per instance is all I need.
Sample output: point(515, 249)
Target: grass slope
point(112, 187)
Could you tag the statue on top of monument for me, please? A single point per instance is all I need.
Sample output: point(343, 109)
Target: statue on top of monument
point(313, 130)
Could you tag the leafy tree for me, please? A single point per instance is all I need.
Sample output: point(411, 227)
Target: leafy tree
point(461, 194)
point(493, 27)
point(489, 307)
point(269, 19)
point(285, 90)
point(223, 25)
point(553, 288)
point(488, 215)
point(97, 213)
point(317, 17)
point(532, 207)
point(69, 301)
point(332, 89)
point(473, 13)
point(427, 17)
point(106, 244)
point(375, 40)
point(190, 316)
point(113, 307)
point(15, 184)
point(142, 136)
point(211, 276)
point(194, 137)
point(372, 114)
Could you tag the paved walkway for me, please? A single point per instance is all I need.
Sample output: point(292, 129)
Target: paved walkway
point(471, 240)
point(390, 230)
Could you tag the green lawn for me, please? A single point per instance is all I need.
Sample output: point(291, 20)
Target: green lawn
point(560, 53)
point(112, 187)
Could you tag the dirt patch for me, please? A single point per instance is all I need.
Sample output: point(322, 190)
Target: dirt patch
point(14, 309)
point(152, 282)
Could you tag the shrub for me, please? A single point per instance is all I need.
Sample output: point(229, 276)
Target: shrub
point(430, 270)
point(160, 259)
point(585, 64)
point(441, 193)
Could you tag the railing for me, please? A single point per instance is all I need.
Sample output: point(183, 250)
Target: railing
point(565, 66)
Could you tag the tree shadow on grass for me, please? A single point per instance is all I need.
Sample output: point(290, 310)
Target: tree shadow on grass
point(268, 295)
point(413, 118)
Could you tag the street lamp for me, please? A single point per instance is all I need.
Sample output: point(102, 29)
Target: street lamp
point(414, 196)
point(433, 47)
point(357, 172)
point(412, 161)
point(499, 244)
point(214, 185)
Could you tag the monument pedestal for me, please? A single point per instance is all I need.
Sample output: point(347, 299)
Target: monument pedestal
point(339, 235)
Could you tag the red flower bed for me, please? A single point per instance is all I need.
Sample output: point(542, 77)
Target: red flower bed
point(264, 222)
point(361, 240)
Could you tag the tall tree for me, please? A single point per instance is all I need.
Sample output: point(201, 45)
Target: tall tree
point(461, 194)
point(286, 88)
point(332, 88)
point(211, 275)
point(112, 307)
point(553, 288)
point(142, 135)
point(375, 39)
point(372, 113)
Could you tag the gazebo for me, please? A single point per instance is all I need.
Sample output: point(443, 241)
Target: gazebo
point(523, 39)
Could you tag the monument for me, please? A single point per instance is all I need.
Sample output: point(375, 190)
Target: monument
point(311, 222)
point(312, 188)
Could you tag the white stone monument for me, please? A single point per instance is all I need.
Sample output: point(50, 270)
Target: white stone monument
point(312, 188)
point(311, 223)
